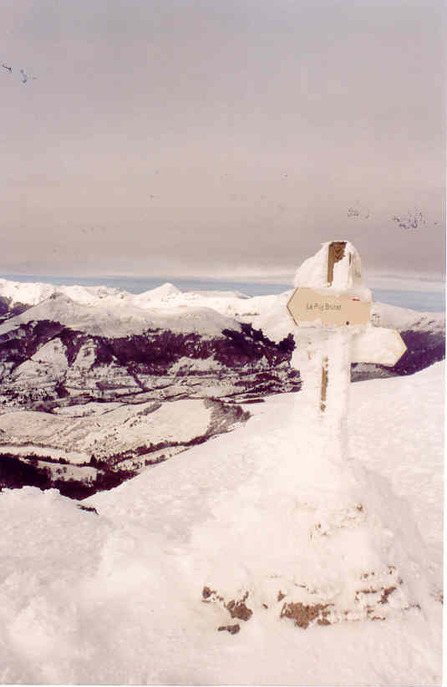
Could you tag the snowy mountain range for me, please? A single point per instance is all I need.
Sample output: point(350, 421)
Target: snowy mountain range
point(96, 372)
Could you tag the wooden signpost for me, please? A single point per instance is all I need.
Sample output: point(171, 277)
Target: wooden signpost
point(333, 316)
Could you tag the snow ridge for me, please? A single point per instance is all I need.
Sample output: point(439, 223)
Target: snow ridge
point(122, 317)
point(105, 310)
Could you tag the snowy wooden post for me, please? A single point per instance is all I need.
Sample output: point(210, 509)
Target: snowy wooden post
point(332, 309)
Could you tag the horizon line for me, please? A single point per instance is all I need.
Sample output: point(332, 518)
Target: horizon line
point(434, 280)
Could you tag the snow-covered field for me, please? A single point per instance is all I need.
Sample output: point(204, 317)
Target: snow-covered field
point(147, 423)
point(271, 517)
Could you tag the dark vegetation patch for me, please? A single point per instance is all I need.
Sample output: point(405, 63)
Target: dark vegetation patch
point(249, 361)
point(16, 473)
point(22, 343)
point(423, 349)
point(157, 350)
point(7, 310)
point(89, 509)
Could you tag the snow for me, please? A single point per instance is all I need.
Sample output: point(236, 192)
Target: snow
point(116, 597)
point(116, 429)
point(148, 423)
point(86, 409)
point(27, 294)
point(187, 365)
point(160, 293)
point(377, 345)
point(81, 473)
point(394, 317)
point(52, 356)
point(347, 277)
point(33, 293)
point(408, 453)
point(122, 318)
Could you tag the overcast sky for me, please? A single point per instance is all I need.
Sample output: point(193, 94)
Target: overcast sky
point(220, 137)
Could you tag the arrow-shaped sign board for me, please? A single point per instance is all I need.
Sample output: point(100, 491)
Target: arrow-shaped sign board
point(312, 305)
point(377, 345)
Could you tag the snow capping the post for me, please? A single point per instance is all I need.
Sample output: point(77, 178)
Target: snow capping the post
point(313, 273)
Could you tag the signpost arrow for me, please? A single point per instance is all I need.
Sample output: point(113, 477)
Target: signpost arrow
point(313, 306)
point(377, 345)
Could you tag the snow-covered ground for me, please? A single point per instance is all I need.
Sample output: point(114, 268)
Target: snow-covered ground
point(276, 517)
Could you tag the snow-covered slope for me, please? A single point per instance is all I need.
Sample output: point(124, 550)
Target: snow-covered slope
point(32, 293)
point(106, 443)
point(113, 429)
point(329, 565)
point(121, 318)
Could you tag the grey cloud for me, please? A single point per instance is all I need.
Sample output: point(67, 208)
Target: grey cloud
point(234, 132)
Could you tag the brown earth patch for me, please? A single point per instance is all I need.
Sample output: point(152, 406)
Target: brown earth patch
point(385, 594)
point(304, 615)
point(238, 609)
point(232, 629)
point(207, 592)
